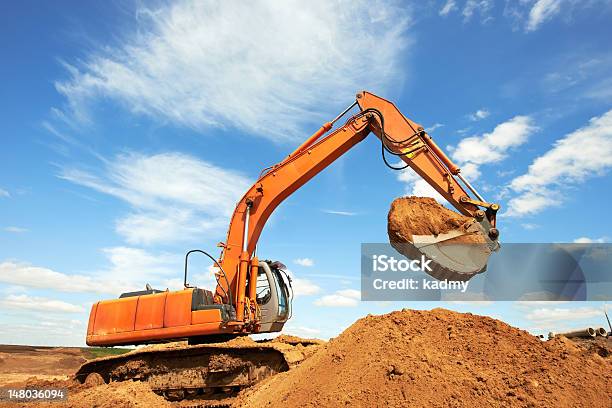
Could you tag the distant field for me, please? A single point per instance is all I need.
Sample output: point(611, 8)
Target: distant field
point(18, 363)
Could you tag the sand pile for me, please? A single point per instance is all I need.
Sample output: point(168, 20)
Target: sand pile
point(131, 394)
point(410, 216)
point(461, 249)
point(442, 359)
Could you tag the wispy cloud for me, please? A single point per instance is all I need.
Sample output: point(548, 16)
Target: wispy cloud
point(481, 7)
point(127, 269)
point(557, 316)
point(208, 64)
point(340, 298)
point(562, 166)
point(302, 331)
point(527, 15)
point(550, 315)
point(174, 196)
point(587, 240)
point(434, 127)
point(530, 226)
point(23, 274)
point(542, 11)
point(39, 303)
point(449, 6)
point(15, 230)
point(4, 193)
point(338, 212)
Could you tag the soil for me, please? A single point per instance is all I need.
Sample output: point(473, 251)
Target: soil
point(435, 358)
point(18, 363)
point(441, 358)
point(410, 216)
point(94, 393)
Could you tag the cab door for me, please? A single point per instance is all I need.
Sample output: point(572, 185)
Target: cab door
point(273, 298)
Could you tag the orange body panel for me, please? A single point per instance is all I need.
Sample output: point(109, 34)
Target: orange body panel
point(140, 319)
point(178, 308)
point(92, 318)
point(150, 312)
point(143, 336)
point(205, 316)
point(115, 316)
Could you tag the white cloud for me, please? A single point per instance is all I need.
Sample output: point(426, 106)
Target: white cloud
point(128, 269)
point(557, 316)
point(15, 230)
point(21, 302)
point(479, 114)
point(471, 152)
point(542, 11)
point(343, 213)
point(37, 277)
point(530, 226)
point(4, 193)
point(449, 6)
point(302, 331)
point(174, 196)
point(482, 7)
point(584, 153)
point(302, 286)
point(586, 240)
point(551, 315)
point(434, 127)
point(492, 147)
point(416, 186)
point(304, 261)
point(341, 298)
point(246, 65)
point(137, 265)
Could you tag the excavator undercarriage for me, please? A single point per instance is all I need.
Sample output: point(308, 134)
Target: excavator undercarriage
point(208, 372)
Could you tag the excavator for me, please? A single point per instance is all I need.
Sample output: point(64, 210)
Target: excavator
point(254, 295)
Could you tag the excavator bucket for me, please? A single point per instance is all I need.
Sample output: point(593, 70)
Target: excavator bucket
point(456, 255)
point(458, 246)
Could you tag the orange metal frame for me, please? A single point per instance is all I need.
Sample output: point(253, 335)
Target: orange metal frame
point(160, 316)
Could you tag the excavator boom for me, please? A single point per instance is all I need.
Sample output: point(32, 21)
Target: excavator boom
point(399, 136)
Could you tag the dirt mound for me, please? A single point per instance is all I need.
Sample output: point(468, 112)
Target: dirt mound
point(295, 340)
point(410, 216)
point(443, 359)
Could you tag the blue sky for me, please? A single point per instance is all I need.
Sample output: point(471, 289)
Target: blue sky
point(131, 129)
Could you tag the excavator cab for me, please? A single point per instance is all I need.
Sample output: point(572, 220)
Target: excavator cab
point(274, 296)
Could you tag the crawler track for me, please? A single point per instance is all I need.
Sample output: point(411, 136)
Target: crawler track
point(207, 374)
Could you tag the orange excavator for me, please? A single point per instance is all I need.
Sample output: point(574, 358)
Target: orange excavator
point(253, 295)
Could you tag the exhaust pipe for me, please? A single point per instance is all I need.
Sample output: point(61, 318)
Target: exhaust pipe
point(602, 332)
point(588, 332)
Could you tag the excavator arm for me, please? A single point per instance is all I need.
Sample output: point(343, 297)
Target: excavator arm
point(399, 136)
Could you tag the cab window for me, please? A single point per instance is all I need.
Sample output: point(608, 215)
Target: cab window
point(264, 292)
